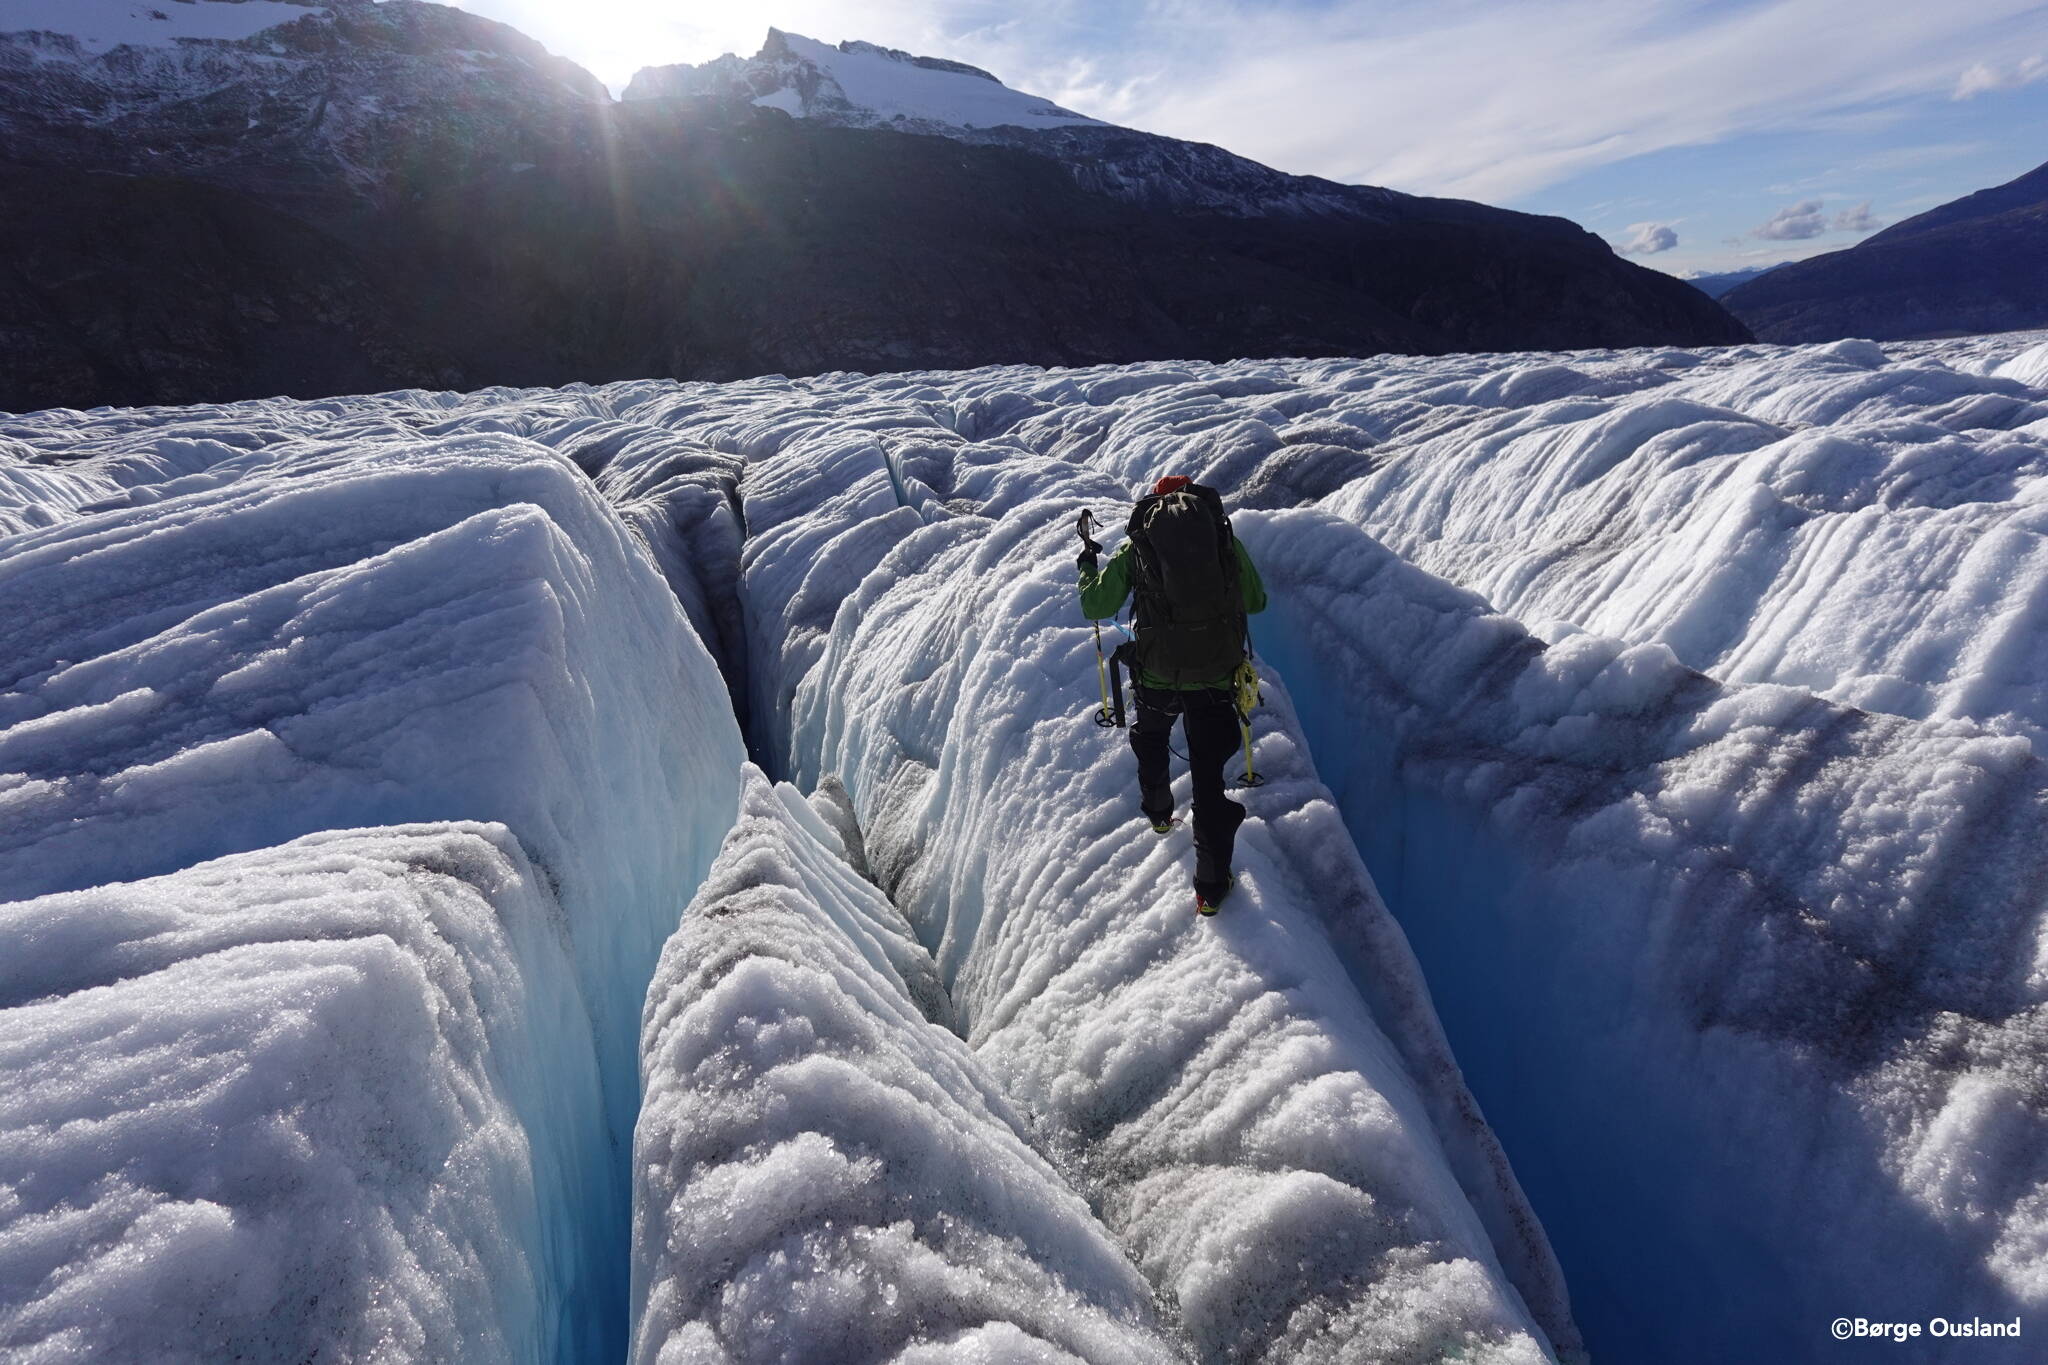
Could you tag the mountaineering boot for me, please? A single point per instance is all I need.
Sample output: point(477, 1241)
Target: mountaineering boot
point(1207, 901)
point(1166, 826)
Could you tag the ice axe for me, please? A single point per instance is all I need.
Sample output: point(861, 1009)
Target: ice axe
point(1090, 554)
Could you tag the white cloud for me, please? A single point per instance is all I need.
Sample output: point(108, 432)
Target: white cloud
point(1487, 99)
point(1809, 218)
point(1794, 224)
point(1983, 77)
point(1647, 239)
point(1496, 100)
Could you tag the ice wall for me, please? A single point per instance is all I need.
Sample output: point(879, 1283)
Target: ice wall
point(1742, 974)
point(366, 619)
point(824, 1173)
point(322, 1101)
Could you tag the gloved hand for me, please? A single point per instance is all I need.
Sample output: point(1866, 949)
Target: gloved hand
point(1089, 561)
point(1090, 551)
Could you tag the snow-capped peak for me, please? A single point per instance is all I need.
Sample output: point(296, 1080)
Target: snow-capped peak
point(858, 84)
point(102, 25)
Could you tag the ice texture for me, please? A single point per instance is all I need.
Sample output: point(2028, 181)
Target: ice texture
point(1791, 1011)
point(1685, 707)
point(349, 623)
point(1302, 1185)
point(1864, 528)
point(1743, 969)
point(309, 1102)
point(822, 1171)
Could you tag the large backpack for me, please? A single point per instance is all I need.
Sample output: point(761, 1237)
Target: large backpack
point(1188, 613)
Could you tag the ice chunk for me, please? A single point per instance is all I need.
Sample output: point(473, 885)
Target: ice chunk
point(329, 1100)
point(821, 1173)
point(456, 628)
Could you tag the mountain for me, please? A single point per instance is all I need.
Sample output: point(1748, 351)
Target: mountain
point(1978, 264)
point(225, 198)
point(1716, 284)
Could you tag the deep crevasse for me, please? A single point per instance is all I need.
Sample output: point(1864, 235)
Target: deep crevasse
point(1270, 1156)
point(1739, 972)
point(348, 623)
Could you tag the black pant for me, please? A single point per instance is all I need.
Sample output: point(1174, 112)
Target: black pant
point(1209, 720)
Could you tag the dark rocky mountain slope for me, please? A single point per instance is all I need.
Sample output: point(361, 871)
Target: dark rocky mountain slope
point(1978, 264)
point(368, 196)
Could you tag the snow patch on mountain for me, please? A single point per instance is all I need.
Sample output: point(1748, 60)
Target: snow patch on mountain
point(858, 85)
point(102, 25)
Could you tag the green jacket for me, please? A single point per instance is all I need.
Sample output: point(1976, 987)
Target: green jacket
point(1103, 594)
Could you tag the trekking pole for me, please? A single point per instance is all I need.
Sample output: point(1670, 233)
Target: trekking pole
point(1103, 715)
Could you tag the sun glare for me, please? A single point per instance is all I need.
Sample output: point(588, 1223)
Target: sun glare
point(615, 38)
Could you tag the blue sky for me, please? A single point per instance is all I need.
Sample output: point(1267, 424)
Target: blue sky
point(1704, 134)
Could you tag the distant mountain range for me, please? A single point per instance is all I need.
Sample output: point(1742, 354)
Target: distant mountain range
point(1979, 264)
point(1714, 284)
point(223, 198)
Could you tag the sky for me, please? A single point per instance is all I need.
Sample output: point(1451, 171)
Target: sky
point(1693, 134)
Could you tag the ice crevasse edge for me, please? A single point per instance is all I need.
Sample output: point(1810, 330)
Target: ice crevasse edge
point(350, 625)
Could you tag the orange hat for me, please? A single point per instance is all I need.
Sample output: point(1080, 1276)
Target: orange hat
point(1172, 483)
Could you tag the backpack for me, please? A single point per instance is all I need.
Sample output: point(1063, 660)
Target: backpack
point(1188, 613)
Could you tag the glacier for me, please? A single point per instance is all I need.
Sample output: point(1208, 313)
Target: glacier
point(1639, 956)
point(1273, 1159)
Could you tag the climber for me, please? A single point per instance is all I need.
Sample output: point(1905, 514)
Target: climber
point(1191, 585)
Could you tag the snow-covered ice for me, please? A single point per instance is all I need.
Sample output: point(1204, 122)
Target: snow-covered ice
point(1864, 529)
point(353, 624)
point(822, 1171)
point(1300, 1184)
point(348, 632)
point(1675, 715)
point(320, 1101)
